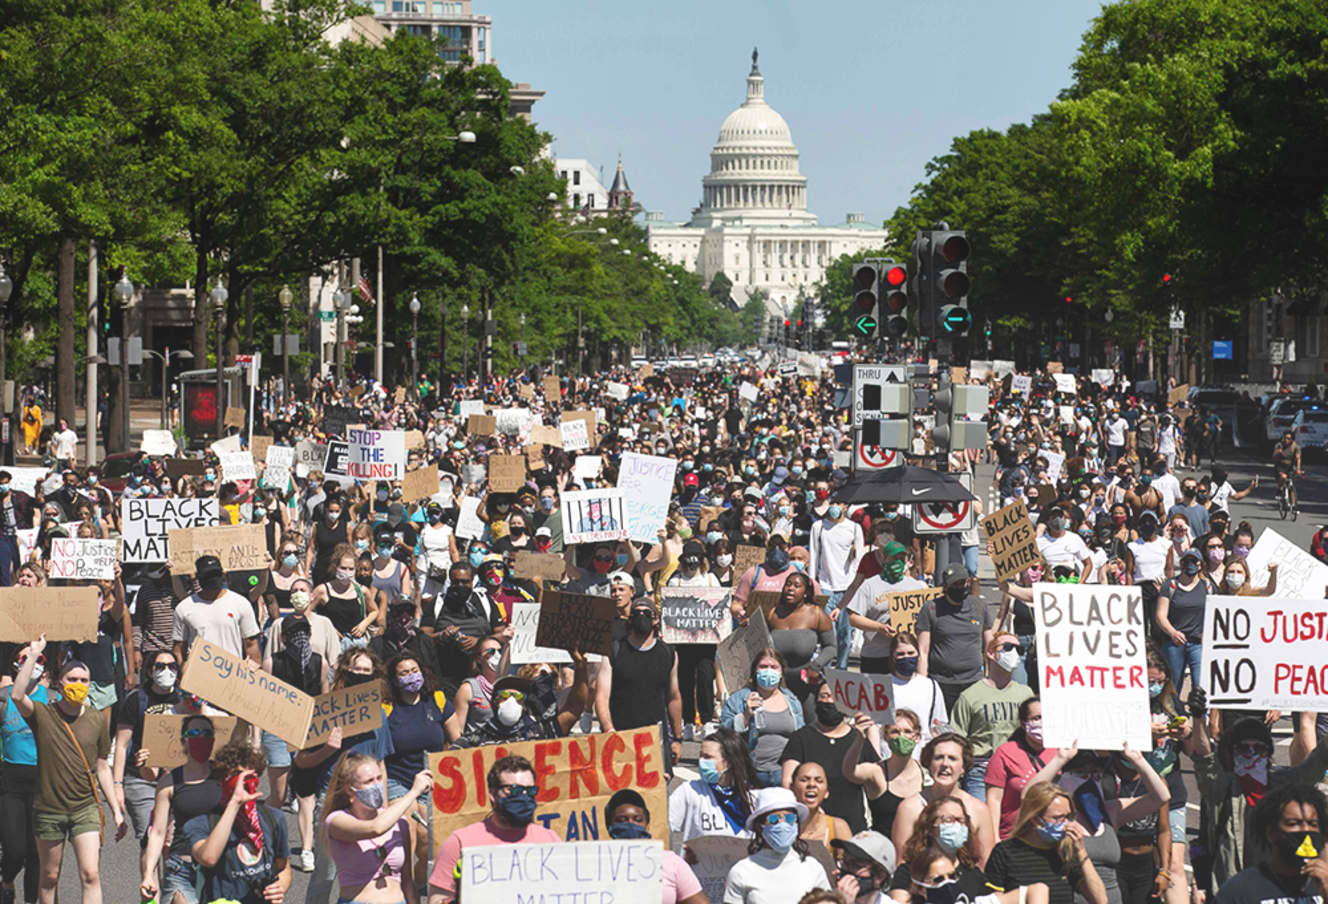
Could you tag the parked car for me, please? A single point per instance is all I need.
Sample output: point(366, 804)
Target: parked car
point(115, 470)
point(1220, 400)
point(1311, 428)
point(1282, 414)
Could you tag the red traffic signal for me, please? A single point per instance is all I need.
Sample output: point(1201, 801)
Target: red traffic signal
point(786, 322)
point(895, 276)
point(1069, 299)
point(1166, 277)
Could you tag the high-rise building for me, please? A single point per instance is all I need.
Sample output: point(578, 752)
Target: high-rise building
point(753, 223)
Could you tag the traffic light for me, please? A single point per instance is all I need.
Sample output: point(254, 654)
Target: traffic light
point(954, 406)
point(949, 251)
point(920, 283)
point(787, 336)
point(866, 298)
point(797, 335)
point(894, 302)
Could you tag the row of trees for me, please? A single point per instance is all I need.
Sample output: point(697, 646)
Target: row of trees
point(1190, 142)
point(197, 141)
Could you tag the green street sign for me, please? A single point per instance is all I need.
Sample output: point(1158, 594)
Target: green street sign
point(866, 324)
point(327, 316)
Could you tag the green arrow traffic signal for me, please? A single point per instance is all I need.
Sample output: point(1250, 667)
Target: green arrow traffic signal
point(956, 320)
point(866, 324)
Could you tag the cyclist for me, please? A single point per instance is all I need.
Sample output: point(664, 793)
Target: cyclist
point(1286, 461)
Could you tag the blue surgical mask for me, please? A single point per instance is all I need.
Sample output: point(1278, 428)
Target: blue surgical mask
point(768, 678)
point(476, 558)
point(621, 558)
point(626, 831)
point(781, 835)
point(713, 536)
point(1051, 831)
point(709, 771)
point(1155, 688)
point(361, 545)
point(291, 560)
point(951, 836)
point(834, 512)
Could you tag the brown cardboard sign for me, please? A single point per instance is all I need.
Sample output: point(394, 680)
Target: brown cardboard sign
point(582, 415)
point(241, 687)
point(1177, 395)
point(906, 604)
point(185, 467)
point(577, 621)
point(546, 436)
point(61, 613)
point(234, 417)
point(744, 557)
point(534, 456)
point(241, 547)
point(526, 391)
point(414, 439)
point(165, 747)
point(1055, 367)
point(355, 710)
point(507, 473)
point(552, 389)
point(258, 445)
point(399, 396)
point(420, 483)
point(1013, 540)
point(481, 425)
point(538, 566)
point(735, 653)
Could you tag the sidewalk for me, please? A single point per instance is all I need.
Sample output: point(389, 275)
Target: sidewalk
point(144, 414)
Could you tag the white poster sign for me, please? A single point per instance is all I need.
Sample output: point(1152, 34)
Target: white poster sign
point(647, 485)
point(748, 392)
point(1091, 643)
point(375, 454)
point(859, 693)
point(146, 522)
point(1065, 383)
point(593, 516)
point(1021, 383)
point(1001, 368)
point(158, 442)
point(237, 465)
point(83, 559)
point(580, 871)
point(469, 407)
point(1104, 376)
point(525, 624)
point(226, 444)
point(979, 370)
point(1266, 652)
point(1055, 463)
point(574, 435)
point(469, 526)
point(617, 391)
point(1299, 574)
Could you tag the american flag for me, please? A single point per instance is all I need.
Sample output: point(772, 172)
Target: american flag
point(365, 289)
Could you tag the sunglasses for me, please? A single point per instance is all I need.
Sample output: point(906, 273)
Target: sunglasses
point(1007, 647)
point(774, 819)
point(199, 733)
point(509, 695)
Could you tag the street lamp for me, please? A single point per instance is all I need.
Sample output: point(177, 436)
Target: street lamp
point(124, 293)
point(465, 340)
point(285, 297)
point(414, 341)
point(341, 301)
point(466, 137)
point(184, 355)
point(218, 295)
point(6, 289)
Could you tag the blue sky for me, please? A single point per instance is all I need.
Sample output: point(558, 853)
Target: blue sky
point(871, 90)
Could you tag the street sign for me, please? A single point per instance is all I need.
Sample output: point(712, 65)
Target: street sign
point(327, 316)
point(946, 517)
point(292, 344)
point(1277, 351)
point(519, 349)
point(135, 351)
point(1177, 319)
point(880, 390)
point(244, 359)
point(873, 458)
point(1222, 350)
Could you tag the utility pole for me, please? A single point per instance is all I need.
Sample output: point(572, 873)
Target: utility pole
point(378, 321)
point(90, 382)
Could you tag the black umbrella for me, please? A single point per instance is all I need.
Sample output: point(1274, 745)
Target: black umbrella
point(906, 485)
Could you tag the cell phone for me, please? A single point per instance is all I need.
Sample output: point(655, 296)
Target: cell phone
point(1177, 721)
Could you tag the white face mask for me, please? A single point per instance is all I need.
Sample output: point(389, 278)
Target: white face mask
point(508, 712)
point(37, 671)
point(1234, 579)
point(724, 561)
point(299, 600)
point(164, 680)
point(1008, 660)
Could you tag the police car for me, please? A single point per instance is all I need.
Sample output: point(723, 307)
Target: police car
point(1311, 428)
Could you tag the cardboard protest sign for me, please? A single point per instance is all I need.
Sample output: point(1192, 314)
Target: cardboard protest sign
point(601, 871)
point(1065, 383)
point(577, 775)
point(1299, 574)
point(906, 604)
point(538, 566)
point(399, 395)
point(525, 627)
point(577, 621)
point(185, 467)
point(226, 444)
point(647, 485)
point(240, 687)
point(376, 454)
point(586, 417)
point(593, 516)
point(1013, 540)
point(858, 693)
point(546, 435)
point(165, 747)
point(526, 391)
point(645, 371)
point(414, 439)
point(237, 466)
point(310, 454)
point(511, 421)
point(354, 709)
point(146, 524)
point(551, 389)
point(573, 436)
point(1177, 395)
point(234, 417)
point(83, 559)
point(534, 456)
point(709, 513)
point(481, 425)
point(1054, 367)
point(1091, 640)
point(158, 442)
point(715, 856)
point(61, 613)
point(958, 374)
point(420, 483)
point(240, 547)
point(694, 614)
point(507, 473)
point(1262, 652)
point(587, 467)
point(469, 526)
point(736, 652)
point(765, 600)
point(744, 557)
point(258, 446)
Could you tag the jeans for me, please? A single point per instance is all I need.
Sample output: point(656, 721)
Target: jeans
point(179, 876)
point(971, 560)
point(843, 630)
point(975, 779)
point(1180, 657)
point(139, 797)
point(9, 560)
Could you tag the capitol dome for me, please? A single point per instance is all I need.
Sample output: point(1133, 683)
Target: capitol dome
point(754, 166)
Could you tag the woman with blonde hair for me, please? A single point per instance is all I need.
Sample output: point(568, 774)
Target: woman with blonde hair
point(1047, 845)
point(1236, 578)
point(369, 839)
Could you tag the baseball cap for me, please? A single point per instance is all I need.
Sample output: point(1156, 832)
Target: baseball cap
point(868, 845)
point(953, 574)
point(781, 474)
point(543, 532)
point(691, 480)
point(206, 567)
point(620, 577)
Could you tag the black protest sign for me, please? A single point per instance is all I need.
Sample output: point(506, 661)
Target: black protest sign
point(694, 614)
point(338, 458)
point(337, 418)
point(577, 621)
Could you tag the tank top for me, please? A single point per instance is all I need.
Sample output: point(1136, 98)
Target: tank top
point(190, 799)
point(280, 594)
point(390, 585)
point(640, 684)
point(325, 541)
point(481, 709)
point(884, 808)
point(344, 612)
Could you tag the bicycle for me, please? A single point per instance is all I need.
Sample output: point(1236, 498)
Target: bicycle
point(1284, 504)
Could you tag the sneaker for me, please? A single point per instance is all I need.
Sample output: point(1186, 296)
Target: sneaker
point(689, 732)
point(708, 729)
point(305, 862)
point(290, 806)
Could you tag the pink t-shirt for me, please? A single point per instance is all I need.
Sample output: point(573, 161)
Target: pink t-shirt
point(680, 883)
point(479, 834)
point(1012, 768)
point(360, 862)
point(765, 581)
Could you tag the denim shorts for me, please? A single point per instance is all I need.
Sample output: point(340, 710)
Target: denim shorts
point(179, 875)
point(276, 751)
point(1176, 818)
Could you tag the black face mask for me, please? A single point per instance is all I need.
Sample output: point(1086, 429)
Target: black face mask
point(456, 596)
point(957, 593)
point(1299, 845)
point(364, 580)
point(641, 623)
point(828, 714)
point(353, 678)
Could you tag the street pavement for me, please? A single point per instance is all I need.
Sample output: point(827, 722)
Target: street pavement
point(119, 868)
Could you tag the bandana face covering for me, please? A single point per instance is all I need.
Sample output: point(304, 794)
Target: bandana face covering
point(247, 819)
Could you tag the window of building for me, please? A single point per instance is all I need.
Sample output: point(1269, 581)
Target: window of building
point(590, 200)
point(1307, 337)
point(576, 200)
point(422, 30)
point(415, 7)
point(576, 177)
point(379, 7)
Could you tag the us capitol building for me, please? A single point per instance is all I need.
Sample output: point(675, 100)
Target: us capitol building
point(753, 223)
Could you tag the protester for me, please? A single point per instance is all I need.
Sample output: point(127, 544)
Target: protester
point(766, 713)
point(628, 818)
point(18, 786)
point(779, 861)
point(824, 741)
point(719, 802)
point(946, 758)
point(1046, 846)
point(987, 711)
point(887, 780)
point(811, 788)
point(182, 793)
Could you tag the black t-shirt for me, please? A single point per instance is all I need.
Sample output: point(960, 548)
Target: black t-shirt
point(807, 744)
point(972, 882)
point(640, 688)
point(1014, 862)
point(1257, 885)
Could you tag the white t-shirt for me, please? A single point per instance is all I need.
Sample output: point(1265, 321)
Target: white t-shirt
point(1220, 496)
point(1067, 549)
point(832, 545)
point(923, 696)
point(225, 621)
point(1166, 440)
point(768, 877)
point(702, 578)
point(436, 549)
point(1116, 431)
point(693, 811)
point(1169, 487)
point(65, 442)
point(873, 601)
point(1150, 558)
